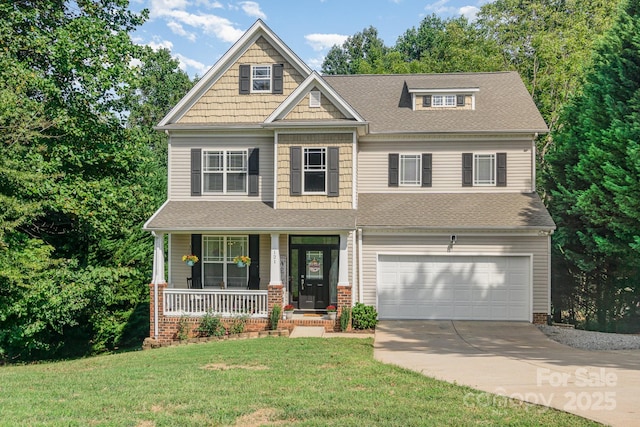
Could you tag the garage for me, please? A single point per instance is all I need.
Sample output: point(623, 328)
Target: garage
point(454, 287)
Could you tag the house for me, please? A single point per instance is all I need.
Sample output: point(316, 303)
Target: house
point(412, 193)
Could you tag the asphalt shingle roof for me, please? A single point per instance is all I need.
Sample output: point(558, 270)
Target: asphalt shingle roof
point(424, 211)
point(503, 103)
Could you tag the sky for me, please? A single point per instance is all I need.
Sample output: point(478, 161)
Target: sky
point(199, 32)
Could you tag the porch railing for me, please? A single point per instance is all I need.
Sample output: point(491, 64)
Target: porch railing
point(225, 303)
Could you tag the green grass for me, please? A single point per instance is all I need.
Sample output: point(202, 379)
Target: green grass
point(312, 382)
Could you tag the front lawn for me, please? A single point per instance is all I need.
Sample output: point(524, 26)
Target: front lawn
point(276, 380)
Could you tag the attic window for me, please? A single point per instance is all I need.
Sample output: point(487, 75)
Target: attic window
point(443, 101)
point(315, 98)
point(261, 78)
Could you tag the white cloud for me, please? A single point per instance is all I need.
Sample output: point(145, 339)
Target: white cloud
point(209, 5)
point(315, 63)
point(251, 8)
point(440, 7)
point(163, 7)
point(178, 29)
point(185, 63)
point(324, 41)
point(162, 44)
point(469, 12)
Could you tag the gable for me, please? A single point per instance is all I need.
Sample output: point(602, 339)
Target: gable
point(223, 103)
point(327, 110)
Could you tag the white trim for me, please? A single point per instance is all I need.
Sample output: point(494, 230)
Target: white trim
point(257, 30)
point(276, 134)
point(224, 172)
point(354, 172)
point(494, 164)
point(533, 165)
point(353, 265)
point(548, 275)
point(325, 170)
point(462, 254)
point(314, 80)
point(460, 90)
point(360, 266)
point(343, 260)
point(169, 164)
point(274, 276)
point(251, 78)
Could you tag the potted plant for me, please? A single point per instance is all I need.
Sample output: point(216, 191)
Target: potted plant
point(190, 259)
point(242, 261)
point(331, 312)
point(288, 311)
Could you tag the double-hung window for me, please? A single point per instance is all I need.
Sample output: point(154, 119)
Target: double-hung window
point(315, 170)
point(261, 78)
point(484, 169)
point(225, 171)
point(217, 260)
point(410, 169)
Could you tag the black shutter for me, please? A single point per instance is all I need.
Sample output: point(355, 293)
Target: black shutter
point(245, 79)
point(467, 169)
point(426, 101)
point(196, 270)
point(196, 172)
point(460, 100)
point(426, 169)
point(334, 172)
point(254, 268)
point(501, 169)
point(278, 74)
point(394, 164)
point(295, 186)
point(254, 172)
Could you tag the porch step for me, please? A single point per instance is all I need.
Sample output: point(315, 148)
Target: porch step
point(307, 331)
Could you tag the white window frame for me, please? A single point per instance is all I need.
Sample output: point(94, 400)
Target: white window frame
point(417, 181)
point(307, 168)
point(268, 79)
point(443, 101)
point(225, 244)
point(477, 158)
point(225, 169)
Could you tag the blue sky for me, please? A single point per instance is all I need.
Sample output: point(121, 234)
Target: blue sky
point(199, 32)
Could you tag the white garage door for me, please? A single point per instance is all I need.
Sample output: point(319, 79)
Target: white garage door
point(454, 287)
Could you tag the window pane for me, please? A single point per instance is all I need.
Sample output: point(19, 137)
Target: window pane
point(261, 72)
point(410, 170)
point(213, 274)
point(213, 248)
point(261, 78)
point(237, 161)
point(436, 101)
point(450, 101)
point(236, 182)
point(484, 169)
point(315, 158)
point(314, 182)
point(213, 161)
point(237, 277)
point(236, 245)
point(212, 182)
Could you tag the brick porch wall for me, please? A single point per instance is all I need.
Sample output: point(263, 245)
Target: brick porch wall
point(540, 318)
point(344, 300)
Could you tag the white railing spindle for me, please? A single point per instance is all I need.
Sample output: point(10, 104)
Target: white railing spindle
point(197, 302)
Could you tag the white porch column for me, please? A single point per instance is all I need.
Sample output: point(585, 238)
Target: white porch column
point(343, 264)
point(158, 259)
point(275, 278)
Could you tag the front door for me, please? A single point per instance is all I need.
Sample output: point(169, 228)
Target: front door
point(313, 276)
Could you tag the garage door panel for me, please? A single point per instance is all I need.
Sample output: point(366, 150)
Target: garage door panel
point(448, 287)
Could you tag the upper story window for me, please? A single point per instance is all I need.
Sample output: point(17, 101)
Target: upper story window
point(410, 169)
point(443, 101)
point(261, 78)
point(315, 170)
point(224, 171)
point(484, 169)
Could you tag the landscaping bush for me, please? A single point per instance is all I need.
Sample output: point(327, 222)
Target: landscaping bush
point(364, 316)
point(237, 325)
point(274, 318)
point(211, 326)
point(345, 319)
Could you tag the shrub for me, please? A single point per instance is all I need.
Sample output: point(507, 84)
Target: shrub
point(345, 319)
point(237, 325)
point(183, 328)
point(274, 318)
point(211, 326)
point(364, 316)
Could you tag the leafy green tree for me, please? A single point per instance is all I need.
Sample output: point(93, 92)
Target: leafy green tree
point(357, 55)
point(594, 179)
point(76, 184)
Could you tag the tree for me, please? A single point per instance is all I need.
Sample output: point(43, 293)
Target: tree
point(75, 182)
point(357, 55)
point(594, 178)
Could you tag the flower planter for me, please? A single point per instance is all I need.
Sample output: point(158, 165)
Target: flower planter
point(288, 314)
point(190, 263)
point(332, 315)
point(241, 264)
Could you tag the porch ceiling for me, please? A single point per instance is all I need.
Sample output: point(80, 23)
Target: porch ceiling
point(246, 216)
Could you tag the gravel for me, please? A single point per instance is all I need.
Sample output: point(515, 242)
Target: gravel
point(589, 340)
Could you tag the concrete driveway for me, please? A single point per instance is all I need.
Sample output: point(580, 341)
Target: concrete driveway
point(517, 360)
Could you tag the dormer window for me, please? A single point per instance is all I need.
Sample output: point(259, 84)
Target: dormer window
point(463, 98)
point(443, 101)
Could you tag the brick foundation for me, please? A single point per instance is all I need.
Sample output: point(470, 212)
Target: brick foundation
point(540, 318)
point(344, 300)
point(276, 296)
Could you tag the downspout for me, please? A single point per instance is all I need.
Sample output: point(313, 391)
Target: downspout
point(533, 163)
point(155, 288)
point(353, 266)
point(360, 280)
